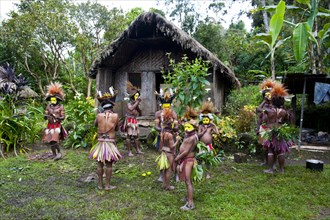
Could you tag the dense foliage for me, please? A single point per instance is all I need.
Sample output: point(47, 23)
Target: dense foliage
point(19, 125)
point(189, 80)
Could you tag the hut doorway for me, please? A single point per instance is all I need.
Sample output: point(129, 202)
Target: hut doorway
point(135, 79)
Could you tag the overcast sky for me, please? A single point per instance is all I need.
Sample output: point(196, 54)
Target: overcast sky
point(7, 5)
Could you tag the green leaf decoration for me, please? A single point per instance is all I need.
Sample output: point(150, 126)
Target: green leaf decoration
point(197, 172)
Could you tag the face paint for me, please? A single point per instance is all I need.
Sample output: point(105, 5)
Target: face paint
point(268, 95)
point(206, 120)
point(166, 105)
point(53, 100)
point(136, 96)
point(188, 127)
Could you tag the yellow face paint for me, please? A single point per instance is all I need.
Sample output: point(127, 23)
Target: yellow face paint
point(136, 96)
point(53, 100)
point(166, 105)
point(268, 95)
point(188, 127)
point(206, 120)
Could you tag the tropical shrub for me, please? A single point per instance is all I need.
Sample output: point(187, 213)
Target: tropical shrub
point(189, 80)
point(80, 115)
point(18, 126)
point(245, 96)
point(245, 125)
point(227, 133)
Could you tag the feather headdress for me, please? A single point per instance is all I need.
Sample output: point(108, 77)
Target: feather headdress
point(207, 109)
point(131, 90)
point(279, 91)
point(191, 116)
point(55, 90)
point(107, 97)
point(267, 84)
point(166, 96)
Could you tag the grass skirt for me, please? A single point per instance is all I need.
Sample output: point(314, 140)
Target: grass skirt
point(105, 151)
point(278, 145)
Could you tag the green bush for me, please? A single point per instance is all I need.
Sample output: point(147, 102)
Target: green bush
point(239, 98)
point(80, 115)
point(19, 124)
point(240, 106)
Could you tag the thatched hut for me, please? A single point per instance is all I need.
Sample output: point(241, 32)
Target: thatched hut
point(139, 55)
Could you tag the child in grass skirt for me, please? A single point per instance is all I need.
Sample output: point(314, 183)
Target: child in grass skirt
point(105, 151)
point(186, 157)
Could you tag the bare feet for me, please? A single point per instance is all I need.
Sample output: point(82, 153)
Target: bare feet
point(269, 171)
point(100, 187)
point(184, 199)
point(110, 187)
point(170, 188)
point(139, 152)
point(58, 156)
point(130, 154)
point(281, 171)
point(160, 179)
point(188, 207)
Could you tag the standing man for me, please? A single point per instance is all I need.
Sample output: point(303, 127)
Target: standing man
point(131, 127)
point(105, 151)
point(276, 141)
point(206, 129)
point(55, 114)
point(186, 157)
point(265, 89)
point(166, 123)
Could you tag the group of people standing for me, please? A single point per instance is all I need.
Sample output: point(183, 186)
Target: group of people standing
point(196, 125)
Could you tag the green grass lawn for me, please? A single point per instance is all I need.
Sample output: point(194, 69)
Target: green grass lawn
point(56, 190)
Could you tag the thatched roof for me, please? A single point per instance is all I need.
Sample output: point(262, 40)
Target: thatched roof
point(142, 31)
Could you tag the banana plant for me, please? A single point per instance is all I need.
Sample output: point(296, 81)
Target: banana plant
point(305, 34)
point(271, 38)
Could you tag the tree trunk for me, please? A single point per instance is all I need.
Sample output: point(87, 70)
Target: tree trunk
point(89, 87)
point(272, 65)
point(265, 16)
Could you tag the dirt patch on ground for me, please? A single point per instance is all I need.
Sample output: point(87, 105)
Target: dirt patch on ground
point(299, 157)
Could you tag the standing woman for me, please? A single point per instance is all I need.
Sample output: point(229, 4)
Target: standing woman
point(55, 114)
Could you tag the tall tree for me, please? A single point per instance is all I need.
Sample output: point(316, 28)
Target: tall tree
point(40, 33)
point(92, 19)
point(270, 39)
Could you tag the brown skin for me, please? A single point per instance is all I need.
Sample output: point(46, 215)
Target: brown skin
point(54, 113)
point(275, 117)
point(133, 109)
point(187, 149)
point(205, 132)
point(107, 123)
point(160, 125)
point(261, 119)
point(168, 140)
point(205, 135)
